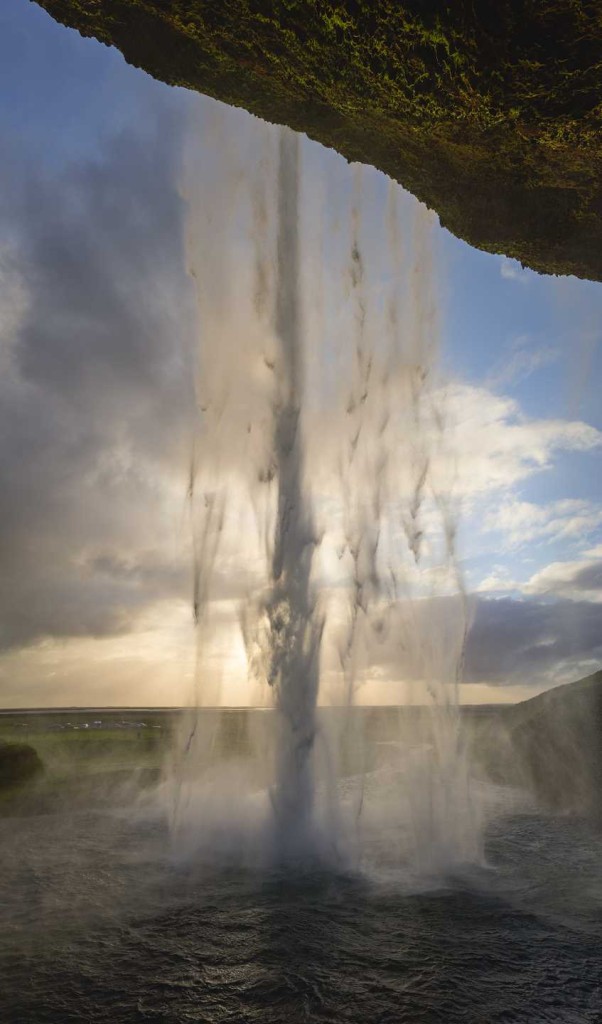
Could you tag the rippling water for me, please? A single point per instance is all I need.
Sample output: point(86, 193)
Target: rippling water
point(100, 924)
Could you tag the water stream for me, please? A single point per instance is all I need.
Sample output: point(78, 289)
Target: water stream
point(322, 507)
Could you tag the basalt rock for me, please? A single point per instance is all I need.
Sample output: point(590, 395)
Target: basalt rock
point(490, 113)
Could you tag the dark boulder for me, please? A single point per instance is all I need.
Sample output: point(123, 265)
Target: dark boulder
point(18, 763)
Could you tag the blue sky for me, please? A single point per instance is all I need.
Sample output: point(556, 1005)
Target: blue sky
point(523, 350)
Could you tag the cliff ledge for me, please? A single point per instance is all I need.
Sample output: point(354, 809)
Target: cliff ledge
point(490, 113)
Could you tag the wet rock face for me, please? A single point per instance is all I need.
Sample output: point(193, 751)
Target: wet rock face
point(18, 763)
point(491, 113)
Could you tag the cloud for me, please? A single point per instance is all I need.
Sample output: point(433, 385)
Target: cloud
point(96, 331)
point(491, 444)
point(595, 552)
point(578, 580)
point(525, 641)
point(511, 270)
point(499, 579)
point(522, 359)
point(524, 522)
point(533, 641)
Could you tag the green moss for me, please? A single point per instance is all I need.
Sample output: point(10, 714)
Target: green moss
point(491, 113)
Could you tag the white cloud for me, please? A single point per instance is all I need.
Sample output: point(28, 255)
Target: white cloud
point(498, 580)
point(511, 270)
point(523, 522)
point(520, 360)
point(491, 445)
point(579, 580)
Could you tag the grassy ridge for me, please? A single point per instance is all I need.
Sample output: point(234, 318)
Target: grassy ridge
point(82, 763)
point(491, 113)
point(550, 746)
point(70, 740)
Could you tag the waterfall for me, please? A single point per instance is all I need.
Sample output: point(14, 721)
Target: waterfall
point(294, 632)
point(322, 505)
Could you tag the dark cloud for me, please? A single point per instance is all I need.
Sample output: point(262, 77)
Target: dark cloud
point(588, 578)
point(510, 642)
point(515, 641)
point(95, 393)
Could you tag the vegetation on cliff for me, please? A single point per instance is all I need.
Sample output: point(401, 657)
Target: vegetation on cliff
point(488, 112)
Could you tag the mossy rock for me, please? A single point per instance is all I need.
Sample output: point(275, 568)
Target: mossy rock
point(490, 113)
point(18, 764)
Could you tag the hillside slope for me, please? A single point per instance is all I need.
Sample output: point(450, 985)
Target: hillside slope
point(550, 745)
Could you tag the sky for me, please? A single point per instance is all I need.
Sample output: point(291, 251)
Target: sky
point(105, 176)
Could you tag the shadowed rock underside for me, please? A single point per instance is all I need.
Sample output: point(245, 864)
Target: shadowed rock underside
point(490, 113)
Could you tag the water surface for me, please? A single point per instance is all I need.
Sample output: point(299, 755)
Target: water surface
point(103, 924)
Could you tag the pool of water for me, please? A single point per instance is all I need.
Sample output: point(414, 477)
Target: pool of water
point(101, 923)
